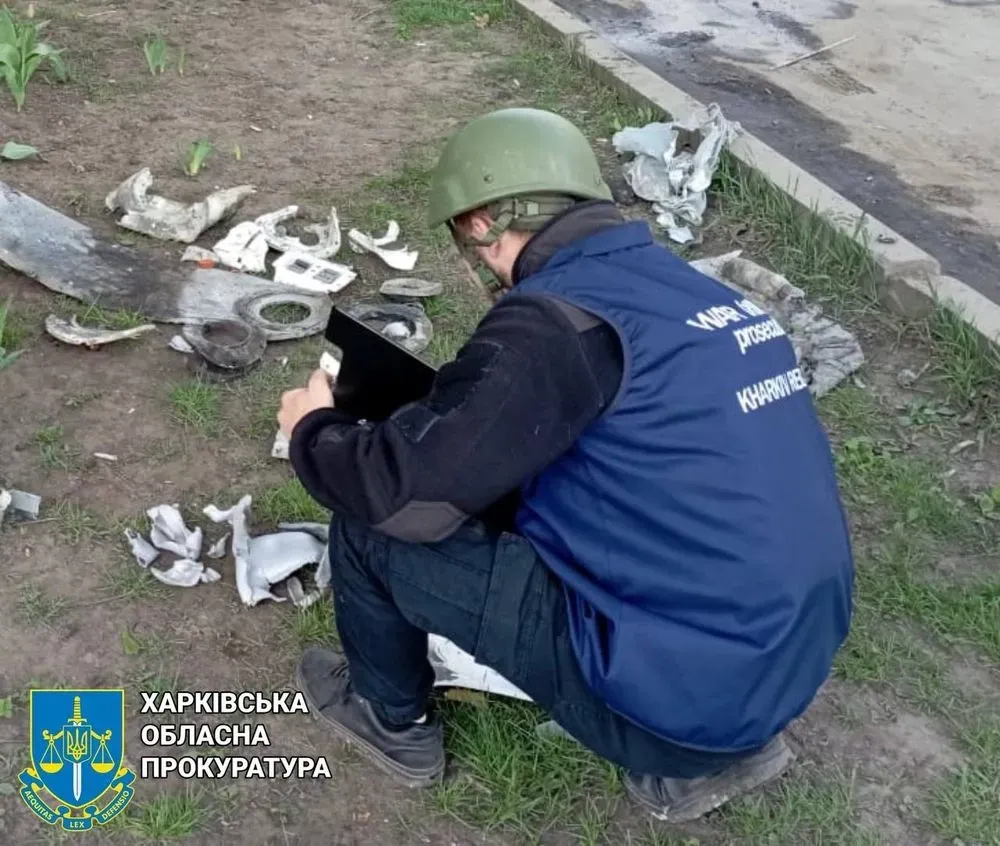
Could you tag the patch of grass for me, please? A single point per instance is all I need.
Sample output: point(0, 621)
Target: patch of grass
point(880, 482)
point(105, 318)
point(10, 337)
point(313, 625)
point(170, 816)
point(37, 607)
point(157, 55)
point(508, 776)
point(852, 412)
point(966, 804)
point(52, 451)
point(196, 406)
point(804, 811)
point(157, 683)
point(197, 155)
point(454, 320)
point(967, 367)
point(411, 15)
point(149, 645)
point(284, 312)
point(125, 579)
point(76, 523)
point(288, 503)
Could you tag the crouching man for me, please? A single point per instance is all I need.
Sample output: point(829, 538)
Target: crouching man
point(677, 573)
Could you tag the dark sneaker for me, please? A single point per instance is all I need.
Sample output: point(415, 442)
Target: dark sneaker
point(679, 800)
point(414, 756)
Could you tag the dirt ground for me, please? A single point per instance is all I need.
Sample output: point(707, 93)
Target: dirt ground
point(329, 105)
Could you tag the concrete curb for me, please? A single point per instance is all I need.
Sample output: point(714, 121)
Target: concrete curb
point(911, 279)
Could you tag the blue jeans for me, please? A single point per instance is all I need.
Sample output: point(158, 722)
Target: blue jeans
point(493, 597)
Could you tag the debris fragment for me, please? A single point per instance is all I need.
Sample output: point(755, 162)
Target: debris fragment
point(170, 220)
point(398, 259)
point(71, 332)
point(453, 667)
point(279, 449)
point(310, 273)
point(105, 456)
point(67, 257)
point(826, 351)
point(180, 345)
point(405, 323)
point(251, 586)
point(826, 48)
point(185, 573)
point(675, 180)
point(298, 595)
point(243, 248)
point(200, 255)
point(329, 365)
point(327, 234)
point(169, 533)
point(23, 505)
point(218, 549)
point(229, 345)
point(145, 553)
point(407, 288)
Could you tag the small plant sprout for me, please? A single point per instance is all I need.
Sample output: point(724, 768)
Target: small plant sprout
point(156, 55)
point(199, 152)
point(180, 62)
point(6, 358)
point(21, 54)
point(237, 153)
point(14, 152)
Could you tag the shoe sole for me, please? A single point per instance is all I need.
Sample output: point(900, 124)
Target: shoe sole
point(403, 776)
point(743, 778)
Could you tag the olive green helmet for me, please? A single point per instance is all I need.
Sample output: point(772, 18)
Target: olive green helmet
point(537, 160)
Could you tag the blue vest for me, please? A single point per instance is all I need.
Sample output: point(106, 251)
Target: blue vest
point(697, 524)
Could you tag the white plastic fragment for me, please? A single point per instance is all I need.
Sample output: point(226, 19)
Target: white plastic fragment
point(5, 499)
point(408, 287)
point(311, 273)
point(145, 553)
point(196, 253)
point(180, 344)
point(276, 556)
point(218, 549)
point(324, 573)
point(327, 234)
point(398, 259)
point(167, 219)
point(71, 332)
point(826, 352)
point(252, 586)
point(185, 573)
point(675, 181)
point(453, 667)
point(279, 449)
point(244, 248)
point(105, 456)
point(169, 533)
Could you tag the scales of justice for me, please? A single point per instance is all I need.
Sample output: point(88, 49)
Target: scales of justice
point(77, 749)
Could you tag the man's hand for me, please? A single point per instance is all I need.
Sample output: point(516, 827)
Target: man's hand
point(298, 403)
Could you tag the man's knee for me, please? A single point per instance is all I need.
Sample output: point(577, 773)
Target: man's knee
point(351, 543)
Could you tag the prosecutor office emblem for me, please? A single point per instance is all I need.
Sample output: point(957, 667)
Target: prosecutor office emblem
point(77, 774)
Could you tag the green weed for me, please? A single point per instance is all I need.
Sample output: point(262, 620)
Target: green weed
point(21, 54)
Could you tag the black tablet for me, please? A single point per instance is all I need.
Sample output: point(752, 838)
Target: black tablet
point(377, 375)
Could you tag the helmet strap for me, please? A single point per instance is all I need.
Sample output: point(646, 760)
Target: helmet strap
point(522, 214)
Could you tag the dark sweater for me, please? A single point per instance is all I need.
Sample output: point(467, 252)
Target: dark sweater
point(535, 373)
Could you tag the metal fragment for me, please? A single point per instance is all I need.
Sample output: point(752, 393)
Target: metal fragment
point(218, 549)
point(185, 573)
point(327, 234)
point(243, 248)
point(399, 259)
point(382, 316)
point(167, 219)
point(145, 553)
point(227, 344)
point(71, 332)
point(406, 287)
point(169, 533)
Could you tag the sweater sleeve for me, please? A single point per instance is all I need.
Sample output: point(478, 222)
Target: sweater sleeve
point(516, 397)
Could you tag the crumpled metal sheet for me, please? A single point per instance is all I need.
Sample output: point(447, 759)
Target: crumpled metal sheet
point(453, 667)
point(20, 503)
point(169, 533)
point(401, 258)
point(167, 219)
point(826, 351)
point(65, 256)
point(675, 180)
point(274, 232)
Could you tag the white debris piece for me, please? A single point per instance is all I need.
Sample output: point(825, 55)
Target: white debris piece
point(398, 259)
point(327, 234)
point(170, 220)
point(329, 365)
point(301, 599)
point(171, 535)
point(324, 573)
point(310, 273)
point(71, 332)
point(180, 344)
point(675, 181)
point(218, 549)
point(826, 352)
point(196, 253)
point(407, 288)
point(185, 573)
point(252, 588)
point(105, 456)
point(453, 667)
point(244, 248)
point(25, 505)
point(276, 556)
point(145, 553)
